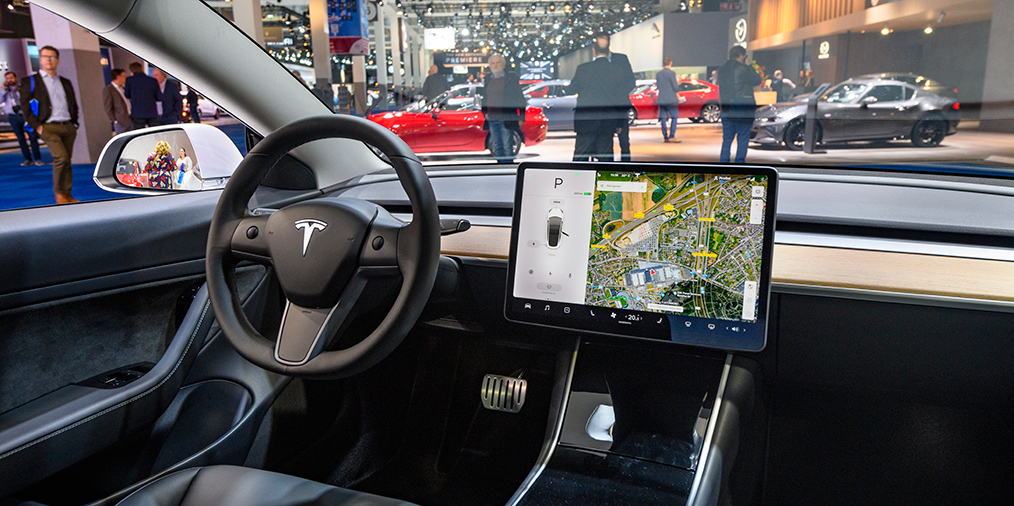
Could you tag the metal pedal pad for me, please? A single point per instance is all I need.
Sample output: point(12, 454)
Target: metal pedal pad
point(503, 393)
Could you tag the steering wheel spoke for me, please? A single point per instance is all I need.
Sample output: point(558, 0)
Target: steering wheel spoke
point(305, 332)
point(249, 241)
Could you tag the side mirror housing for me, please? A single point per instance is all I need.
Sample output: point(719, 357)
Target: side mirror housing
point(200, 157)
point(435, 113)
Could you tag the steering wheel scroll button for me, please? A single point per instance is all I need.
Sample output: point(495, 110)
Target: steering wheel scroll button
point(378, 242)
point(251, 233)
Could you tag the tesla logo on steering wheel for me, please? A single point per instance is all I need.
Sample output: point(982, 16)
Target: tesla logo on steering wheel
point(308, 227)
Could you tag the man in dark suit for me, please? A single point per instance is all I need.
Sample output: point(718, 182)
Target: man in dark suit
point(736, 81)
point(603, 101)
point(192, 104)
point(170, 103)
point(56, 119)
point(143, 92)
point(621, 65)
point(668, 100)
point(115, 103)
point(503, 105)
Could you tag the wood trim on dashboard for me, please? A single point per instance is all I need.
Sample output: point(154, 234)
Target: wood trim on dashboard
point(967, 278)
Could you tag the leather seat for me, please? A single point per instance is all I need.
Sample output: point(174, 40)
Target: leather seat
point(241, 486)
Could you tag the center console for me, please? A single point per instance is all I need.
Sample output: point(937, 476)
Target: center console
point(674, 253)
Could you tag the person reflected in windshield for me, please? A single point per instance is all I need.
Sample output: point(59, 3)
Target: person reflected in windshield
point(781, 85)
point(603, 101)
point(435, 84)
point(503, 105)
point(736, 80)
point(668, 100)
point(160, 166)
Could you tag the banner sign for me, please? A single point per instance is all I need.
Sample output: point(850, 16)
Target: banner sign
point(461, 58)
point(347, 25)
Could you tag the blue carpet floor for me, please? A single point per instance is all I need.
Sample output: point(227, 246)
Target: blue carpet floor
point(32, 186)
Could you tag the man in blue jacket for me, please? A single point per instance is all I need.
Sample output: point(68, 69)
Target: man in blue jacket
point(668, 100)
point(143, 92)
point(170, 104)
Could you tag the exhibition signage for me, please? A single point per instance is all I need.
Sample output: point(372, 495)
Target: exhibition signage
point(461, 58)
point(347, 25)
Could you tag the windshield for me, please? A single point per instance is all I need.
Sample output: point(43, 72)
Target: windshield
point(844, 93)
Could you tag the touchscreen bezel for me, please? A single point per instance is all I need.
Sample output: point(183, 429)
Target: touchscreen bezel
point(643, 328)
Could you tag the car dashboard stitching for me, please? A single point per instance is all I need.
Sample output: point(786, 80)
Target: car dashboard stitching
point(123, 403)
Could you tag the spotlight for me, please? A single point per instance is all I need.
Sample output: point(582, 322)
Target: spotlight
point(885, 31)
point(928, 30)
point(552, 7)
point(626, 7)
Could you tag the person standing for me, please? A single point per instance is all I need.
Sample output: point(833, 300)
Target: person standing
point(115, 102)
point(56, 119)
point(435, 84)
point(783, 86)
point(142, 90)
point(736, 81)
point(12, 105)
point(160, 166)
point(503, 105)
point(668, 100)
point(714, 77)
point(192, 104)
point(603, 102)
point(170, 104)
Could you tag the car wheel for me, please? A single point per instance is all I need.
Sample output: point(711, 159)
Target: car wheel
point(711, 112)
point(795, 135)
point(218, 114)
point(928, 132)
point(631, 116)
point(518, 140)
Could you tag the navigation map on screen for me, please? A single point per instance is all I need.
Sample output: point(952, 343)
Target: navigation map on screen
point(680, 243)
point(637, 252)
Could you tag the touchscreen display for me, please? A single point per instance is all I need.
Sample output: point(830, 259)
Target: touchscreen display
point(673, 252)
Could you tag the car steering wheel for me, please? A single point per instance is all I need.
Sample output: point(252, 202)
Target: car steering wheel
point(323, 252)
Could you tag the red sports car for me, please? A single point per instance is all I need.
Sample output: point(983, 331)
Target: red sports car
point(701, 101)
point(130, 173)
point(455, 128)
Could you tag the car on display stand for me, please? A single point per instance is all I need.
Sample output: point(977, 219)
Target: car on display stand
point(700, 105)
point(861, 110)
point(456, 126)
point(332, 319)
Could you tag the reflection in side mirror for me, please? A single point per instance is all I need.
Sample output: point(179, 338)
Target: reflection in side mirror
point(187, 157)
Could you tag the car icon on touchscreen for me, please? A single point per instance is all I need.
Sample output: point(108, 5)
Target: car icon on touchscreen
point(554, 228)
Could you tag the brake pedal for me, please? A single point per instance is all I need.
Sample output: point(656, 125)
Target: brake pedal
point(503, 393)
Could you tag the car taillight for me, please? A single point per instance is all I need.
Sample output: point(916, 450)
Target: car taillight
point(956, 106)
point(955, 90)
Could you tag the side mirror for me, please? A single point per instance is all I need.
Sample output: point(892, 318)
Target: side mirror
point(435, 113)
point(199, 157)
point(868, 100)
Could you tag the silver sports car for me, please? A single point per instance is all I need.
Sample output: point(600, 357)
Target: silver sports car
point(861, 110)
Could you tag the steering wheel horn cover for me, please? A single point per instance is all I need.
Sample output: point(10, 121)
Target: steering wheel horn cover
point(338, 234)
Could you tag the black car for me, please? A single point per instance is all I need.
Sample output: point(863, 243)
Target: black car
point(861, 110)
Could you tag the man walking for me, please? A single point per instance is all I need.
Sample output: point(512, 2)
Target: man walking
point(115, 103)
point(603, 101)
point(736, 80)
point(435, 84)
point(12, 105)
point(142, 90)
point(503, 105)
point(56, 119)
point(170, 104)
point(668, 100)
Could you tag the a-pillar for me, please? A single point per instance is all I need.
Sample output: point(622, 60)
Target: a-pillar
point(248, 17)
point(997, 94)
point(321, 40)
point(80, 62)
point(380, 50)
